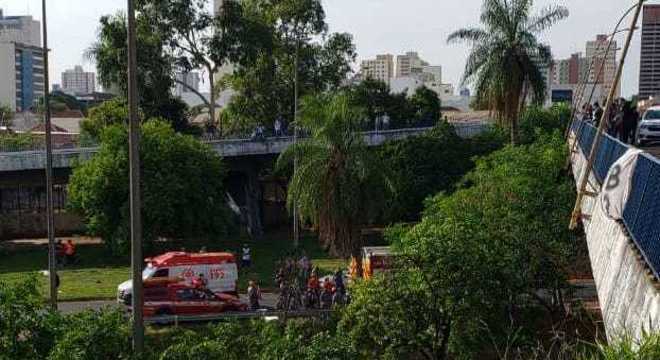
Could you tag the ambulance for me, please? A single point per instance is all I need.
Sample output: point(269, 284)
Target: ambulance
point(219, 270)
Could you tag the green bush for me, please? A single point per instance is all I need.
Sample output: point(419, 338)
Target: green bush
point(536, 120)
point(27, 328)
point(182, 188)
point(424, 165)
point(92, 335)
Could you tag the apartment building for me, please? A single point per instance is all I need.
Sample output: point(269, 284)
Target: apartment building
point(649, 70)
point(380, 68)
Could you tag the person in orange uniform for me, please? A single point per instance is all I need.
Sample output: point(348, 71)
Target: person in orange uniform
point(69, 251)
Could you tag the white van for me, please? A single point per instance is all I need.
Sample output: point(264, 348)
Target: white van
point(219, 269)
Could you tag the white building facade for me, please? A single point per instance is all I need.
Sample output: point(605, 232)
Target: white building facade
point(77, 81)
point(21, 62)
point(380, 68)
point(597, 51)
point(191, 81)
point(20, 29)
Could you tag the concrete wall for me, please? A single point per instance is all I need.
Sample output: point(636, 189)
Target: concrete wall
point(628, 298)
point(23, 226)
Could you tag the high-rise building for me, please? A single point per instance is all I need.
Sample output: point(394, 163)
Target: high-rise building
point(409, 64)
point(21, 75)
point(649, 69)
point(77, 81)
point(432, 73)
point(20, 29)
point(569, 71)
point(191, 80)
point(21, 62)
point(597, 51)
point(380, 68)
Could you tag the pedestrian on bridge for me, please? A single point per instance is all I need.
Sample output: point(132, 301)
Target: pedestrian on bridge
point(277, 126)
point(598, 114)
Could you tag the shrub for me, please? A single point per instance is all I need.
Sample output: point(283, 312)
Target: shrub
point(27, 329)
point(93, 335)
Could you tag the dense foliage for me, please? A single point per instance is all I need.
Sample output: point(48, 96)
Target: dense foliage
point(111, 112)
point(375, 96)
point(300, 49)
point(424, 165)
point(480, 255)
point(536, 119)
point(337, 184)
point(155, 70)
point(21, 141)
point(6, 115)
point(181, 184)
point(507, 60)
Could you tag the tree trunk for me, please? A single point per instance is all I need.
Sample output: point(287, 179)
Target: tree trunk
point(512, 104)
point(444, 348)
point(212, 97)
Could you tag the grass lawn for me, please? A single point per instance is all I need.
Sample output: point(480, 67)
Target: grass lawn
point(98, 273)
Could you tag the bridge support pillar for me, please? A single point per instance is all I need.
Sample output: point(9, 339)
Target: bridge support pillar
point(253, 197)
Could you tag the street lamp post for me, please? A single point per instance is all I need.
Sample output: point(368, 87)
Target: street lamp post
point(52, 271)
point(134, 173)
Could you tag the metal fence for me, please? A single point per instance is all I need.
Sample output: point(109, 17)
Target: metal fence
point(641, 214)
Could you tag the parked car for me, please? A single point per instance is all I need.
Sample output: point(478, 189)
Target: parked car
point(219, 269)
point(648, 129)
point(181, 299)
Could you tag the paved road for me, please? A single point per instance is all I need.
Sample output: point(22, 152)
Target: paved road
point(268, 300)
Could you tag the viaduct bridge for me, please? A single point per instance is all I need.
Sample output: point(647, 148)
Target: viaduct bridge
point(260, 197)
point(621, 219)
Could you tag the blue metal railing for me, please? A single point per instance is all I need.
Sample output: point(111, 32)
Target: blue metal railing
point(641, 214)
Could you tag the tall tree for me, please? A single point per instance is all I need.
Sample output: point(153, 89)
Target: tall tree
point(337, 184)
point(427, 105)
point(182, 187)
point(507, 60)
point(198, 39)
point(154, 67)
point(266, 86)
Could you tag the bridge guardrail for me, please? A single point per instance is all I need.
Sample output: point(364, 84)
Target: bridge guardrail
point(176, 319)
point(35, 150)
point(641, 213)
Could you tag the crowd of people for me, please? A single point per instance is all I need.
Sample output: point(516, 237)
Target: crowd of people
point(621, 120)
point(301, 287)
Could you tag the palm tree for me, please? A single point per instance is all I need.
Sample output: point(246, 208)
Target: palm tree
point(506, 60)
point(337, 183)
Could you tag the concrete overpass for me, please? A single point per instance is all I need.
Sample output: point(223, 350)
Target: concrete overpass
point(22, 181)
point(233, 148)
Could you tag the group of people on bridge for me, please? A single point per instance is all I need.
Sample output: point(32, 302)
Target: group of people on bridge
point(621, 122)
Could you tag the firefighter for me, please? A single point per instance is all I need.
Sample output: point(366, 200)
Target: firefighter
point(69, 251)
point(254, 294)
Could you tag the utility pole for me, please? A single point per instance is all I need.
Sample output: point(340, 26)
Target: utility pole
point(50, 219)
point(296, 221)
point(582, 184)
point(134, 173)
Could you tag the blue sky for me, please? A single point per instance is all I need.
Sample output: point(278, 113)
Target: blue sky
point(378, 26)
